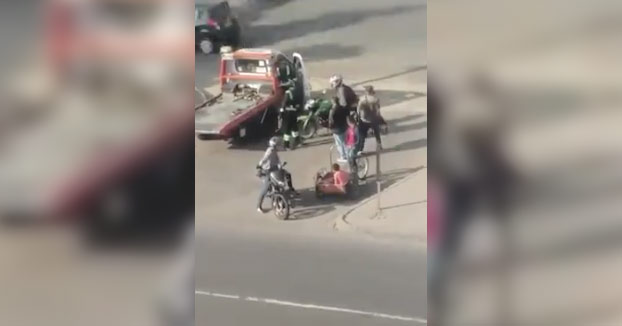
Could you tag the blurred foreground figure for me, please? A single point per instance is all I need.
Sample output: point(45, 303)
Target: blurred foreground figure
point(97, 144)
point(176, 302)
point(468, 170)
point(557, 73)
point(108, 134)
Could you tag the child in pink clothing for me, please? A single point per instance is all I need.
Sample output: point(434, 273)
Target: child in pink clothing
point(351, 137)
point(335, 182)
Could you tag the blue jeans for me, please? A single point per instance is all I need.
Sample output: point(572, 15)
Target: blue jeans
point(340, 143)
point(265, 187)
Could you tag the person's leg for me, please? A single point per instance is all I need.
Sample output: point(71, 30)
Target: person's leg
point(460, 199)
point(351, 154)
point(343, 149)
point(262, 194)
point(294, 128)
point(340, 144)
point(290, 184)
point(290, 134)
point(363, 128)
point(331, 189)
point(376, 128)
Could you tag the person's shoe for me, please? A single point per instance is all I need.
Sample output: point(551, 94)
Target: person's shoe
point(260, 210)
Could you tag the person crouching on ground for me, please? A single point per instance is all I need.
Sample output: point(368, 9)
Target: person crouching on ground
point(335, 183)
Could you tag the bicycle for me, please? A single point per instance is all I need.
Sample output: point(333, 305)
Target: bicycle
point(360, 166)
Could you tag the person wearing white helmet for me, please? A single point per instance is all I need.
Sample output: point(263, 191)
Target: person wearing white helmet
point(268, 163)
point(345, 94)
point(344, 103)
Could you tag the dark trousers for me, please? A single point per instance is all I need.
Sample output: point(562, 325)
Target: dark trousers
point(289, 127)
point(363, 129)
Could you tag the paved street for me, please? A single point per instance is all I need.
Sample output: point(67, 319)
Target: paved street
point(254, 269)
point(331, 273)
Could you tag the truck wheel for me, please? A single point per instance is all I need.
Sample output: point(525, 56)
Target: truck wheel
point(206, 46)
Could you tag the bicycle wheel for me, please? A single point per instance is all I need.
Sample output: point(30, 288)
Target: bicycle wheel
point(280, 206)
point(362, 167)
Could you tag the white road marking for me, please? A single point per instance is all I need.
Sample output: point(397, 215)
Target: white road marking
point(312, 306)
point(219, 295)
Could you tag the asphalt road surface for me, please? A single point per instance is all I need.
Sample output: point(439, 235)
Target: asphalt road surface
point(255, 270)
point(306, 282)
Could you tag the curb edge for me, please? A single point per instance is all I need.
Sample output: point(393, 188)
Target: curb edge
point(341, 223)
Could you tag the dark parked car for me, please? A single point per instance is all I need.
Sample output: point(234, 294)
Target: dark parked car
point(215, 26)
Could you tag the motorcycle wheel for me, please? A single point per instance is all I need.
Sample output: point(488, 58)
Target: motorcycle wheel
point(280, 206)
point(308, 128)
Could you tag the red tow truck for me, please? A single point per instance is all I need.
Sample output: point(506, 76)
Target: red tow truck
point(251, 93)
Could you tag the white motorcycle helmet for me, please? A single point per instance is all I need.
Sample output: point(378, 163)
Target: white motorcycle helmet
point(275, 142)
point(335, 80)
point(309, 104)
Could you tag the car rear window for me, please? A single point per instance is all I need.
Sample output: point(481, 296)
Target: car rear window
point(251, 66)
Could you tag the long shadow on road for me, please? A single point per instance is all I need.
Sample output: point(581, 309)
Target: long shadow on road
point(391, 97)
point(398, 74)
point(409, 145)
point(327, 51)
point(405, 123)
point(263, 35)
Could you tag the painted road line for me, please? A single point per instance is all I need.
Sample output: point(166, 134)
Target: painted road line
point(312, 306)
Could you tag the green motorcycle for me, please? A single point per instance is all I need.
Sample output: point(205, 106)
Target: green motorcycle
point(314, 117)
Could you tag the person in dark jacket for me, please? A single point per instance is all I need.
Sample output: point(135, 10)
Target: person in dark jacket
point(338, 123)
